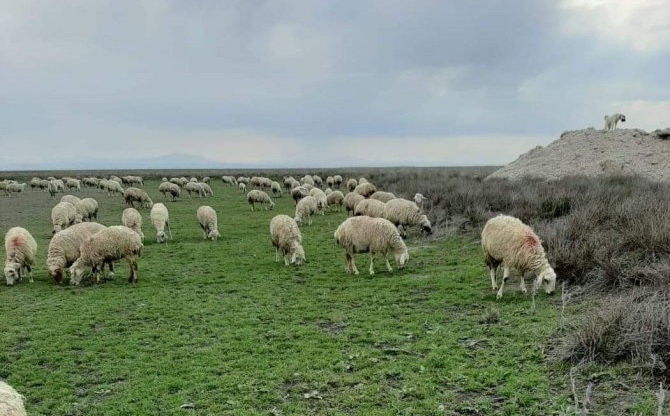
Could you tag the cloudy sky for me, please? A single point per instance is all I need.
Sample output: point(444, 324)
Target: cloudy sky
point(322, 83)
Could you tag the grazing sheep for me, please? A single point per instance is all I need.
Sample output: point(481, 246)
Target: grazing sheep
point(305, 208)
point(330, 181)
point(208, 222)
point(321, 200)
point(307, 180)
point(286, 237)
point(196, 187)
point(261, 197)
point(337, 181)
point(383, 196)
point(86, 210)
point(64, 247)
point(160, 219)
point(276, 189)
point(402, 213)
point(114, 187)
point(71, 199)
point(509, 242)
point(205, 179)
point(20, 250)
point(366, 189)
point(242, 187)
point(298, 193)
point(52, 188)
point(62, 216)
point(317, 181)
point(15, 188)
point(243, 179)
point(613, 120)
point(11, 402)
point(327, 191)
point(170, 188)
point(419, 200)
point(229, 180)
point(351, 200)
point(362, 180)
point(132, 219)
point(73, 184)
point(132, 195)
point(352, 184)
point(206, 189)
point(371, 208)
point(105, 246)
point(335, 199)
point(370, 235)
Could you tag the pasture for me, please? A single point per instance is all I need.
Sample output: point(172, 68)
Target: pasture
point(219, 328)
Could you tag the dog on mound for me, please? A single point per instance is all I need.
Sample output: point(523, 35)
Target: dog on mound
point(611, 121)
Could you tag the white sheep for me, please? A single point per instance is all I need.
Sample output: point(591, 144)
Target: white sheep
point(64, 247)
point(85, 210)
point(509, 242)
point(307, 180)
point(195, 187)
point(276, 189)
point(317, 180)
point(170, 188)
point(132, 195)
point(335, 199)
point(352, 184)
point(305, 208)
point(70, 198)
point(286, 236)
point(370, 235)
point(107, 245)
point(321, 200)
point(383, 196)
point(337, 181)
point(15, 188)
point(206, 189)
point(11, 402)
point(330, 181)
point(298, 193)
point(366, 189)
point(402, 212)
point(113, 187)
point(73, 184)
point(613, 120)
point(419, 200)
point(132, 219)
point(351, 200)
point(208, 222)
point(371, 208)
point(62, 216)
point(261, 197)
point(20, 250)
point(242, 187)
point(160, 219)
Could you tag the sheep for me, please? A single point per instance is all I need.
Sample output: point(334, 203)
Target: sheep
point(15, 188)
point(370, 235)
point(242, 187)
point(70, 198)
point(261, 197)
point(208, 222)
point(371, 208)
point(107, 245)
point(206, 189)
point(305, 208)
point(307, 180)
point(362, 180)
point(64, 247)
point(366, 189)
point(228, 180)
point(132, 219)
point(298, 193)
point(205, 179)
point(73, 184)
point(11, 402)
point(419, 200)
point(170, 188)
point(160, 219)
point(317, 180)
point(335, 199)
point(266, 183)
point(352, 184)
point(86, 210)
point(52, 187)
point(613, 120)
point(132, 195)
point(330, 182)
point(114, 187)
point(509, 242)
point(351, 200)
point(321, 200)
point(164, 179)
point(243, 179)
point(337, 181)
point(383, 196)
point(255, 182)
point(276, 189)
point(195, 187)
point(62, 216)
point(286, 236)
point(402, 212)
point(3, 187)
point(20, 250)
point(35, 183)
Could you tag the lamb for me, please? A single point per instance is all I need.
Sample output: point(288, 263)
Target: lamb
point(132, 195)
point(86, 210)
point(107, 245)
point(509, 242)
point(208, 222)
point(366, 189)
point(371, 208)
point(20, 250)
point(335, 199)
point(286, 237)
point(276, 189)
point(419, 200)
point(11, 402)
point(402, 212)
point(321, 200)
point(351, 200)
point(613, 120)
point(352, 184)
point(160, 219)
point(337, 181)
point(70, 198)
point(170, 188)
point(370, 235)
point(132, 219)
point(383, 196)
point(261, 197)
point(62, 216)
point(64, 247)
point(305, 208)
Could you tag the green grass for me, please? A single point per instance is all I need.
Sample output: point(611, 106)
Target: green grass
point(221, 326)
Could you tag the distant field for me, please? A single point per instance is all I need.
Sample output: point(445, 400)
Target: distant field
point(221, 329)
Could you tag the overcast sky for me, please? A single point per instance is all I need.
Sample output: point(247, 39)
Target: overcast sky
point(323, 83)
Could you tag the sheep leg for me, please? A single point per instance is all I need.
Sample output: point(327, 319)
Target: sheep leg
point(372, 263)
point(309, 219)
point(277, 255)
point(167, 224)
point(388, 265)
point(30, 273)
point(132, 264)
point(492, 271)
point(502, 284)
point(523, 285)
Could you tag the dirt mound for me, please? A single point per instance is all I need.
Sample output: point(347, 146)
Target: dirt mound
point(596, 152)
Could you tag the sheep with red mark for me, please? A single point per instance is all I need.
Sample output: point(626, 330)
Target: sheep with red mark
point(20, 250)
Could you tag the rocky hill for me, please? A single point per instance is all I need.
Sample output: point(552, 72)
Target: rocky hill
point(595, 152)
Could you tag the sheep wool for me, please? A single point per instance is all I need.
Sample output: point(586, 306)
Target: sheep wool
point(64, 247)
point(351, 200)
point(335, 199)
point(132, 219)
point(160, 219)
point(20, 250)
point(370, 207)
point(509, 242)
point(170, 188)
point(11, 402)
point(110, 244)
point(261, 197)
point(286, 237)
point(85, 210)
point(132, 195)
point(403, 212)
point(383, 196)
point(370, 235)
point(208, 222)
point(365, 188)
point(62, 216)
point(304, 209)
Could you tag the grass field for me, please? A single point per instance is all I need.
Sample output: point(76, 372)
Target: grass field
point(219, 328)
